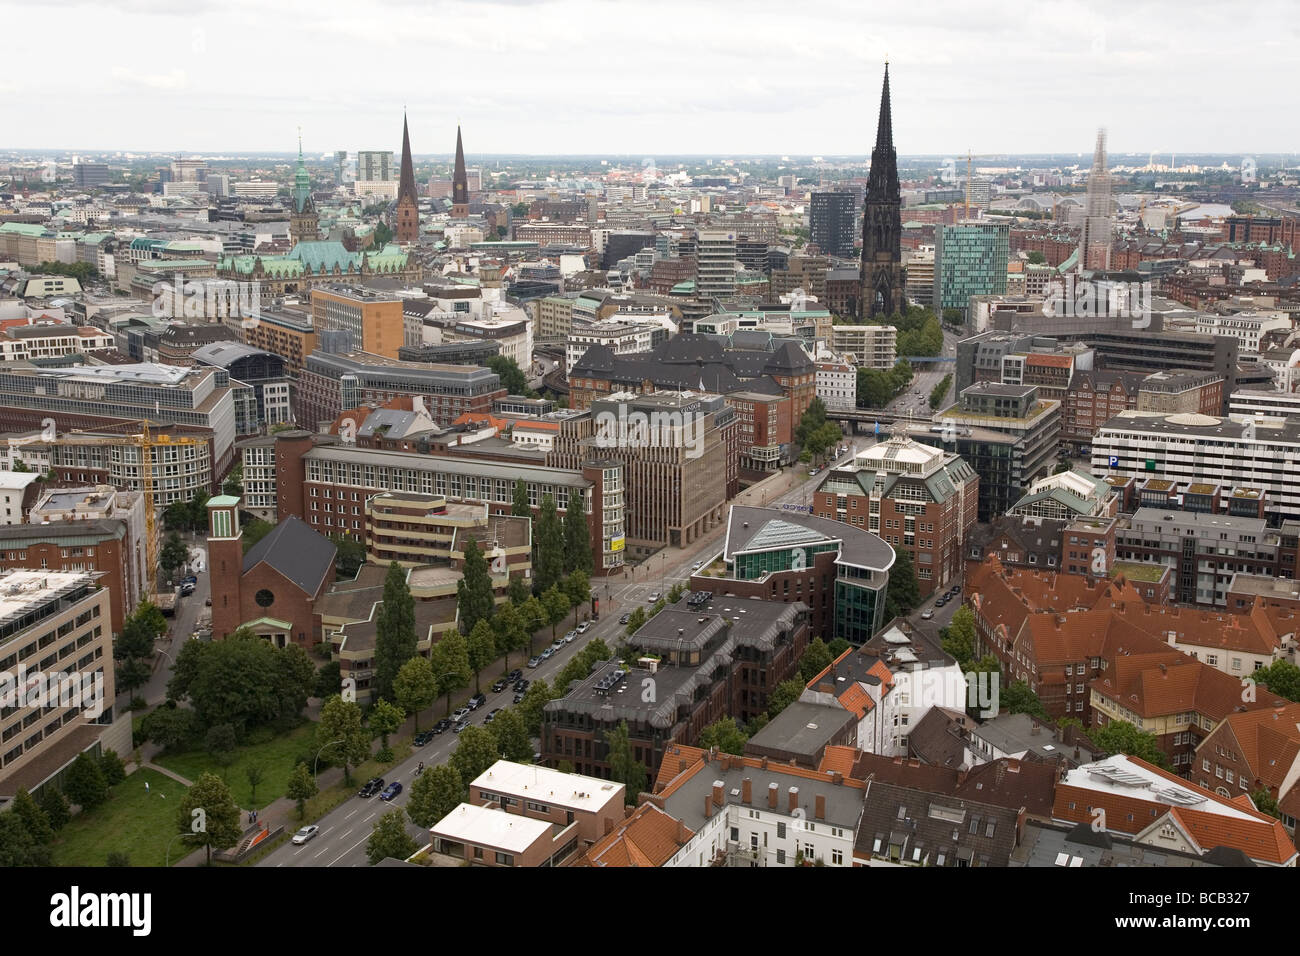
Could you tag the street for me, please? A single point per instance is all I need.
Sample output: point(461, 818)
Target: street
point(180, 626)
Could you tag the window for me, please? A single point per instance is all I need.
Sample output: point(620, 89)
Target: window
point(837, 857)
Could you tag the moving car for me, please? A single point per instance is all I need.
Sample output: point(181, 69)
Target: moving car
point(522, 685)
point(371, 787)
point(306, 833)
point(460, 727)
point(477, 701)
point(187, 590)
point(625, 618)
point(423, 737)
point(697, 565)
point(460, 714)
point(191, 579)
point(812, 472)
point(492, 715)
point(441, 726)
point(927, 614)
point(390, 791)
point(499, 685)
point(515, 675)
point(519, 697)
point(654, 596)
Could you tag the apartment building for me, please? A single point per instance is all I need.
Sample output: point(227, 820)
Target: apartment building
point(866, 346)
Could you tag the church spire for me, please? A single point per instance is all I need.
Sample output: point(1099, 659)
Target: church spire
point(885, 128)
point(406, 183)
point(882, 277)
point(408, 208)
point(459, 182)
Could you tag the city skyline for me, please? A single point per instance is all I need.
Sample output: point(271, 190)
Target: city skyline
point(965, 77)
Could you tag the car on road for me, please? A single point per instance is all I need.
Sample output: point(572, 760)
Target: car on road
point(441, 727)
point(625, 618)
point(460, 714)
point(423, 737)
point(956, 589)
point(941, 602)
point(534, 661)
point(460, 727)
point(927, 614)
point(371, 787)
point(499, 685)
point(515, 675)
point(561, 641)
point(192, 579)
point(391, 791)
point(306, 833)
point(697, 565)
point(519, 697)
point(187, 590)
point(572, 636)
point(583, 628)
point(812, 472)
point(492, 715)
point(477, 701)
point(548, 653)
point(522, 685)
point(652, 597)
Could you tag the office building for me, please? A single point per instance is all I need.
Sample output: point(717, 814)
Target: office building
point(374, 320)
point(832, 223)
point(970, 258)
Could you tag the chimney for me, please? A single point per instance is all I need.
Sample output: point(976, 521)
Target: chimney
point(820, 806)
point(794, 799)
point(837, 778)
point(717, 793)
point(772, 790)
point(708, 806)
point(763, 763)
point(746, 791)
point(1033, 728)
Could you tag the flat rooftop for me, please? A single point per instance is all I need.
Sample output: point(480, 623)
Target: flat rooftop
point(483, 826)
point(23, 591)
point(572, 791)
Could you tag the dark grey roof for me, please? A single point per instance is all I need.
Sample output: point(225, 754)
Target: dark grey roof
point(859, 547)
point(934, 829)
point(802, 728)
point(302, 555)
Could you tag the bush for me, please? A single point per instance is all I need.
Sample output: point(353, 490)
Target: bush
point(113, 767)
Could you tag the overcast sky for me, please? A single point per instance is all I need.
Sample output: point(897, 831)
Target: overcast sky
point(716, 77)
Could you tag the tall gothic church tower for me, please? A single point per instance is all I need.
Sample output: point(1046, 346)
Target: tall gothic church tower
point(408, 208)
point(304, 223)
point(883, 280)
point(459, 183)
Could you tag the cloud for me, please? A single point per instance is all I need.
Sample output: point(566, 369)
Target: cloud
point(175, 80)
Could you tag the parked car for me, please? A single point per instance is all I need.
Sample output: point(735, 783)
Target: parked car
point(522, 685)
point(441, 727)
point(571, 637)
point(583, 628)
point(534, 661)
point(460, 714)
point(306, 833)
point(519, 697)
point(515, 675)
point(941, 602)
point(492, 715)
point(477, 701)
point(654, 596)
point(625, 618)
point(548, 653)
point(423, 737)
point(187, 590)
point(499, 685)
point(371, 787)
point(565, 639)
point(927, 614)
point(391, 791)
point(460, 727)
point(191, 579)
point(697, 565)
point(812, 472)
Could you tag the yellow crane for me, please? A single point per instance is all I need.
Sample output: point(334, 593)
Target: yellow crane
point(146, 442)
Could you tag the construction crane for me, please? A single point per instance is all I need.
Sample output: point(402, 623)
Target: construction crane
point(146, 442)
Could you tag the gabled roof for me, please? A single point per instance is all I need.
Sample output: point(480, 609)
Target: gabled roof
point(293, 548)
point(649, 837)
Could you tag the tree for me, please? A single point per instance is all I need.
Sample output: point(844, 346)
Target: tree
point(302, 787)
point(519, 506)
point(556, 604)
point(385, 718)
point(85, 785)
point(512, 377)
point(512, 737)
point(474, 599)
point(1034, 259)
point(1121, 737)
point(199, 510)
point(1265, 802)
point(349, 556)
point(220, 744)
point(234, 483)
point(450, 663)
point(959, 639)
point(475, 752)
point(435, 793)
point(208, 816)
point(113, 768)
point(635, 621)
point(535, 700)
point(577, 536)
point(534, 617)
point(389, 838)
point(132, 673)
point(838, 647)
point(675, 592)
point(757, 724)
point(814, 417)
point(17, 846)
point(174, 554)
point(55, 805)
point(507, 630)
point(329, 680)
point(254, 531)
point(177, 515)
point(34, 818)
point(140, 630)
point(595, 652)
point(725, 735)
point(783, 695)
point(576, 669)
point(578, 588)
point(1281, 677)
point(548, 547)
point(1019, 698)
point(903, 594)
point(482, 648)
point(340, 720)
point(254, 775)
point(623, 767)
point(395, 638)
point(815, 660)
point(415, 687)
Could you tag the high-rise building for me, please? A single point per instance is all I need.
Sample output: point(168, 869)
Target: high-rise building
point(340, 165)
point(883, 279)
point(715, 263)
point(189, 171)
point(407, 212)
point(831, 222)
point(1098, 228)
point(89, 175)
point(970, 258)
point(459, 183)
point(375, 165)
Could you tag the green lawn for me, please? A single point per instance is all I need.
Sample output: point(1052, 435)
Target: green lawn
point(274, 757)
point(134, 821)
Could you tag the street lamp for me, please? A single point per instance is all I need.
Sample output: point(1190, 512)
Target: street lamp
point(167, 859)
point(321, 751)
